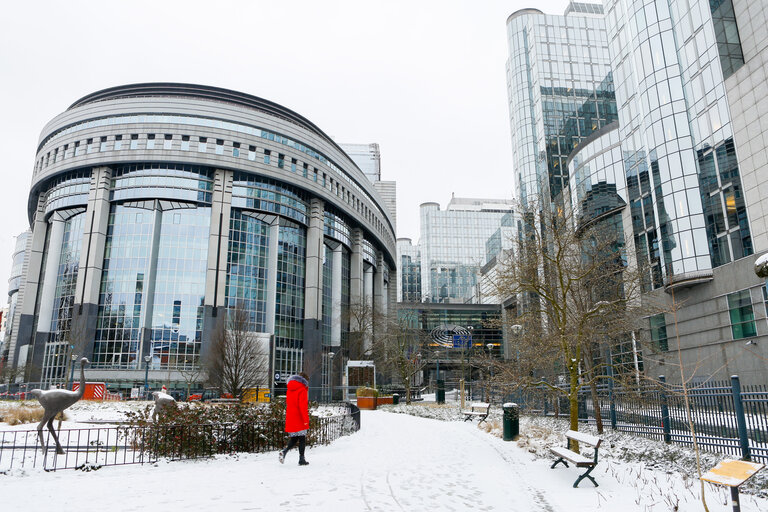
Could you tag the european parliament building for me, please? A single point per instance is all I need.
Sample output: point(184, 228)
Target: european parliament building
point(155, 207)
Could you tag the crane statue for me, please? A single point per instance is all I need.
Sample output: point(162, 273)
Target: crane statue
point(55, 401)
point(163, 402)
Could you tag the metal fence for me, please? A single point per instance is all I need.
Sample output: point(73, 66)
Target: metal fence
point(92, 448)
point(725, 417)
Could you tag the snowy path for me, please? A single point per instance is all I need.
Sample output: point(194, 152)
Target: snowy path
point(395, 463)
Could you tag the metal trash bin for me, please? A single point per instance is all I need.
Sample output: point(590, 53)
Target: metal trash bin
point(440, 395)
point(395, 399)
point(511, 421)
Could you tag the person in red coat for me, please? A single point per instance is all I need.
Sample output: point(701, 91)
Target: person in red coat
point(297, 415)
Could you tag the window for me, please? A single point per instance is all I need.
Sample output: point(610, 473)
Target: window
point(293, 165)
point(202, 145)
point(659, 332)
point(280, 160)
point(742, 316)
point(64, 151)
point(185, 142)
point(219, 147)
point(78, 149)
point(151, 141)
point(235, 149)
point(167, 143)
point(266, 156)
point(91, 146)
point(118, 142)
point(305, 169)
point(252, 153)
point(103, 144)
point(134, 141)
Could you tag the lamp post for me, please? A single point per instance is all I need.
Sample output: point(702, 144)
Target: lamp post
point(147, 359)
point(72, 371)
point(489, 346)
point(330, 375)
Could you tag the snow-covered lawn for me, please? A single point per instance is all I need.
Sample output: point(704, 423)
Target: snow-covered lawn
point(396, 462)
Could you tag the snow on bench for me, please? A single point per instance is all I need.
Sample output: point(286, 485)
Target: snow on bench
point(477, 409)
point(566, 454)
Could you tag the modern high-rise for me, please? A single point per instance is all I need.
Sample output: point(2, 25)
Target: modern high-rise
point(409, 271)
point(678, 169)
point(367, 157)
point(452, 246)
point(156, 208)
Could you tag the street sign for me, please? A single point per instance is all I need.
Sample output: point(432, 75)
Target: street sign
point(134, 392)
point(462, 340)
point(732, 473)
point(277, 377)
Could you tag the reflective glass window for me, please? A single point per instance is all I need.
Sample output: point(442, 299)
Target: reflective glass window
point(742, 315)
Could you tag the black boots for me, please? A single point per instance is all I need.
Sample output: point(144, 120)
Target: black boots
point(303, 462)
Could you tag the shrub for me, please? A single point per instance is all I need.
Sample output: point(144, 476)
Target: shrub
point(25, 412)
point(366, 391)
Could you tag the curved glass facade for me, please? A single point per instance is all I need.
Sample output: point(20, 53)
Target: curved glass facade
point(184, 224)
point(247, 267)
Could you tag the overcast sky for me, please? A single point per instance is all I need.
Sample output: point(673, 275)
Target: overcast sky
point(424, 79)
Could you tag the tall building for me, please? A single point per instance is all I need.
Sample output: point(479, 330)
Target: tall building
point(156, 208)
point(409, 271)
point(452, 246)
point(678, 171)
point(560, 91)
point(12, 317)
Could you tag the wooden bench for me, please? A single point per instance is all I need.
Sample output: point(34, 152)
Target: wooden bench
point(479, 410)
point(566, 454)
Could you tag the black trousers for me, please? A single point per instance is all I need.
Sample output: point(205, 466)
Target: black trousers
point(301, 440)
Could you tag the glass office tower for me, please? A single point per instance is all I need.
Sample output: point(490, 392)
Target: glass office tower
point(678, 166)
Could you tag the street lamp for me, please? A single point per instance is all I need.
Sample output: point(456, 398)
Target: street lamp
point(490, 370)
point(147, 359)
point(72, 372)
point(330, 375)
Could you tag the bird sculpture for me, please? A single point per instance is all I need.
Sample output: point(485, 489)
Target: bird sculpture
point(163, 401)
point(55, 401)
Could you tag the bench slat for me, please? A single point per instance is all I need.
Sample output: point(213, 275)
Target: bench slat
point(574, 457)
point(584, 438)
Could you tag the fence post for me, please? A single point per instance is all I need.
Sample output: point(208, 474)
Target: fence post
point(665, 412)
point(612, 403)
point(741, 421)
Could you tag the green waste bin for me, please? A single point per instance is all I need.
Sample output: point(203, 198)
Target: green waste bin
point(511, 421)
point(440, 396)
point(395, 399)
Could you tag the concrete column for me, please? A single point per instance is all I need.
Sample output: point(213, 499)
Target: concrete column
point(48, 292)
point(85, 312)
point(147, 309)
point(218, 245)
point(313, 298)
point(218, 239)
point(356, 290)
point(368, 297)
point(379, 293)
point(336, 297)
point(274, 247)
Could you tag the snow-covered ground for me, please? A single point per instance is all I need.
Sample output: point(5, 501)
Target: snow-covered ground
point(396, 462)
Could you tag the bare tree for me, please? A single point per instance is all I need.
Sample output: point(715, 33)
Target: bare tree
point(574, 294)
point(399, 347)
point(361, 317)
point(238, 358)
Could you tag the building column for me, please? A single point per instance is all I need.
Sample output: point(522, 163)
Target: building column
point(368, 297)
point(356, 274)
point(147, 310)
point(273, 249)
point(218, 248)
point(379, 292)
point(48, 291)
point(336, 297)
point(85, 312)
point(313, 299)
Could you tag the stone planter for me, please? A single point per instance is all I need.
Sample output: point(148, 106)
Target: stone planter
point(366, 402)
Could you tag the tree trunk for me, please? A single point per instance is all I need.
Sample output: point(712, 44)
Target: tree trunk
point(596, 405)
point(573, 398)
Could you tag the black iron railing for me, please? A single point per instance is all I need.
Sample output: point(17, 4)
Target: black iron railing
point(91, 448)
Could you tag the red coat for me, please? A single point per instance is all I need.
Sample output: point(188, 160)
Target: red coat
point(297, 405)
